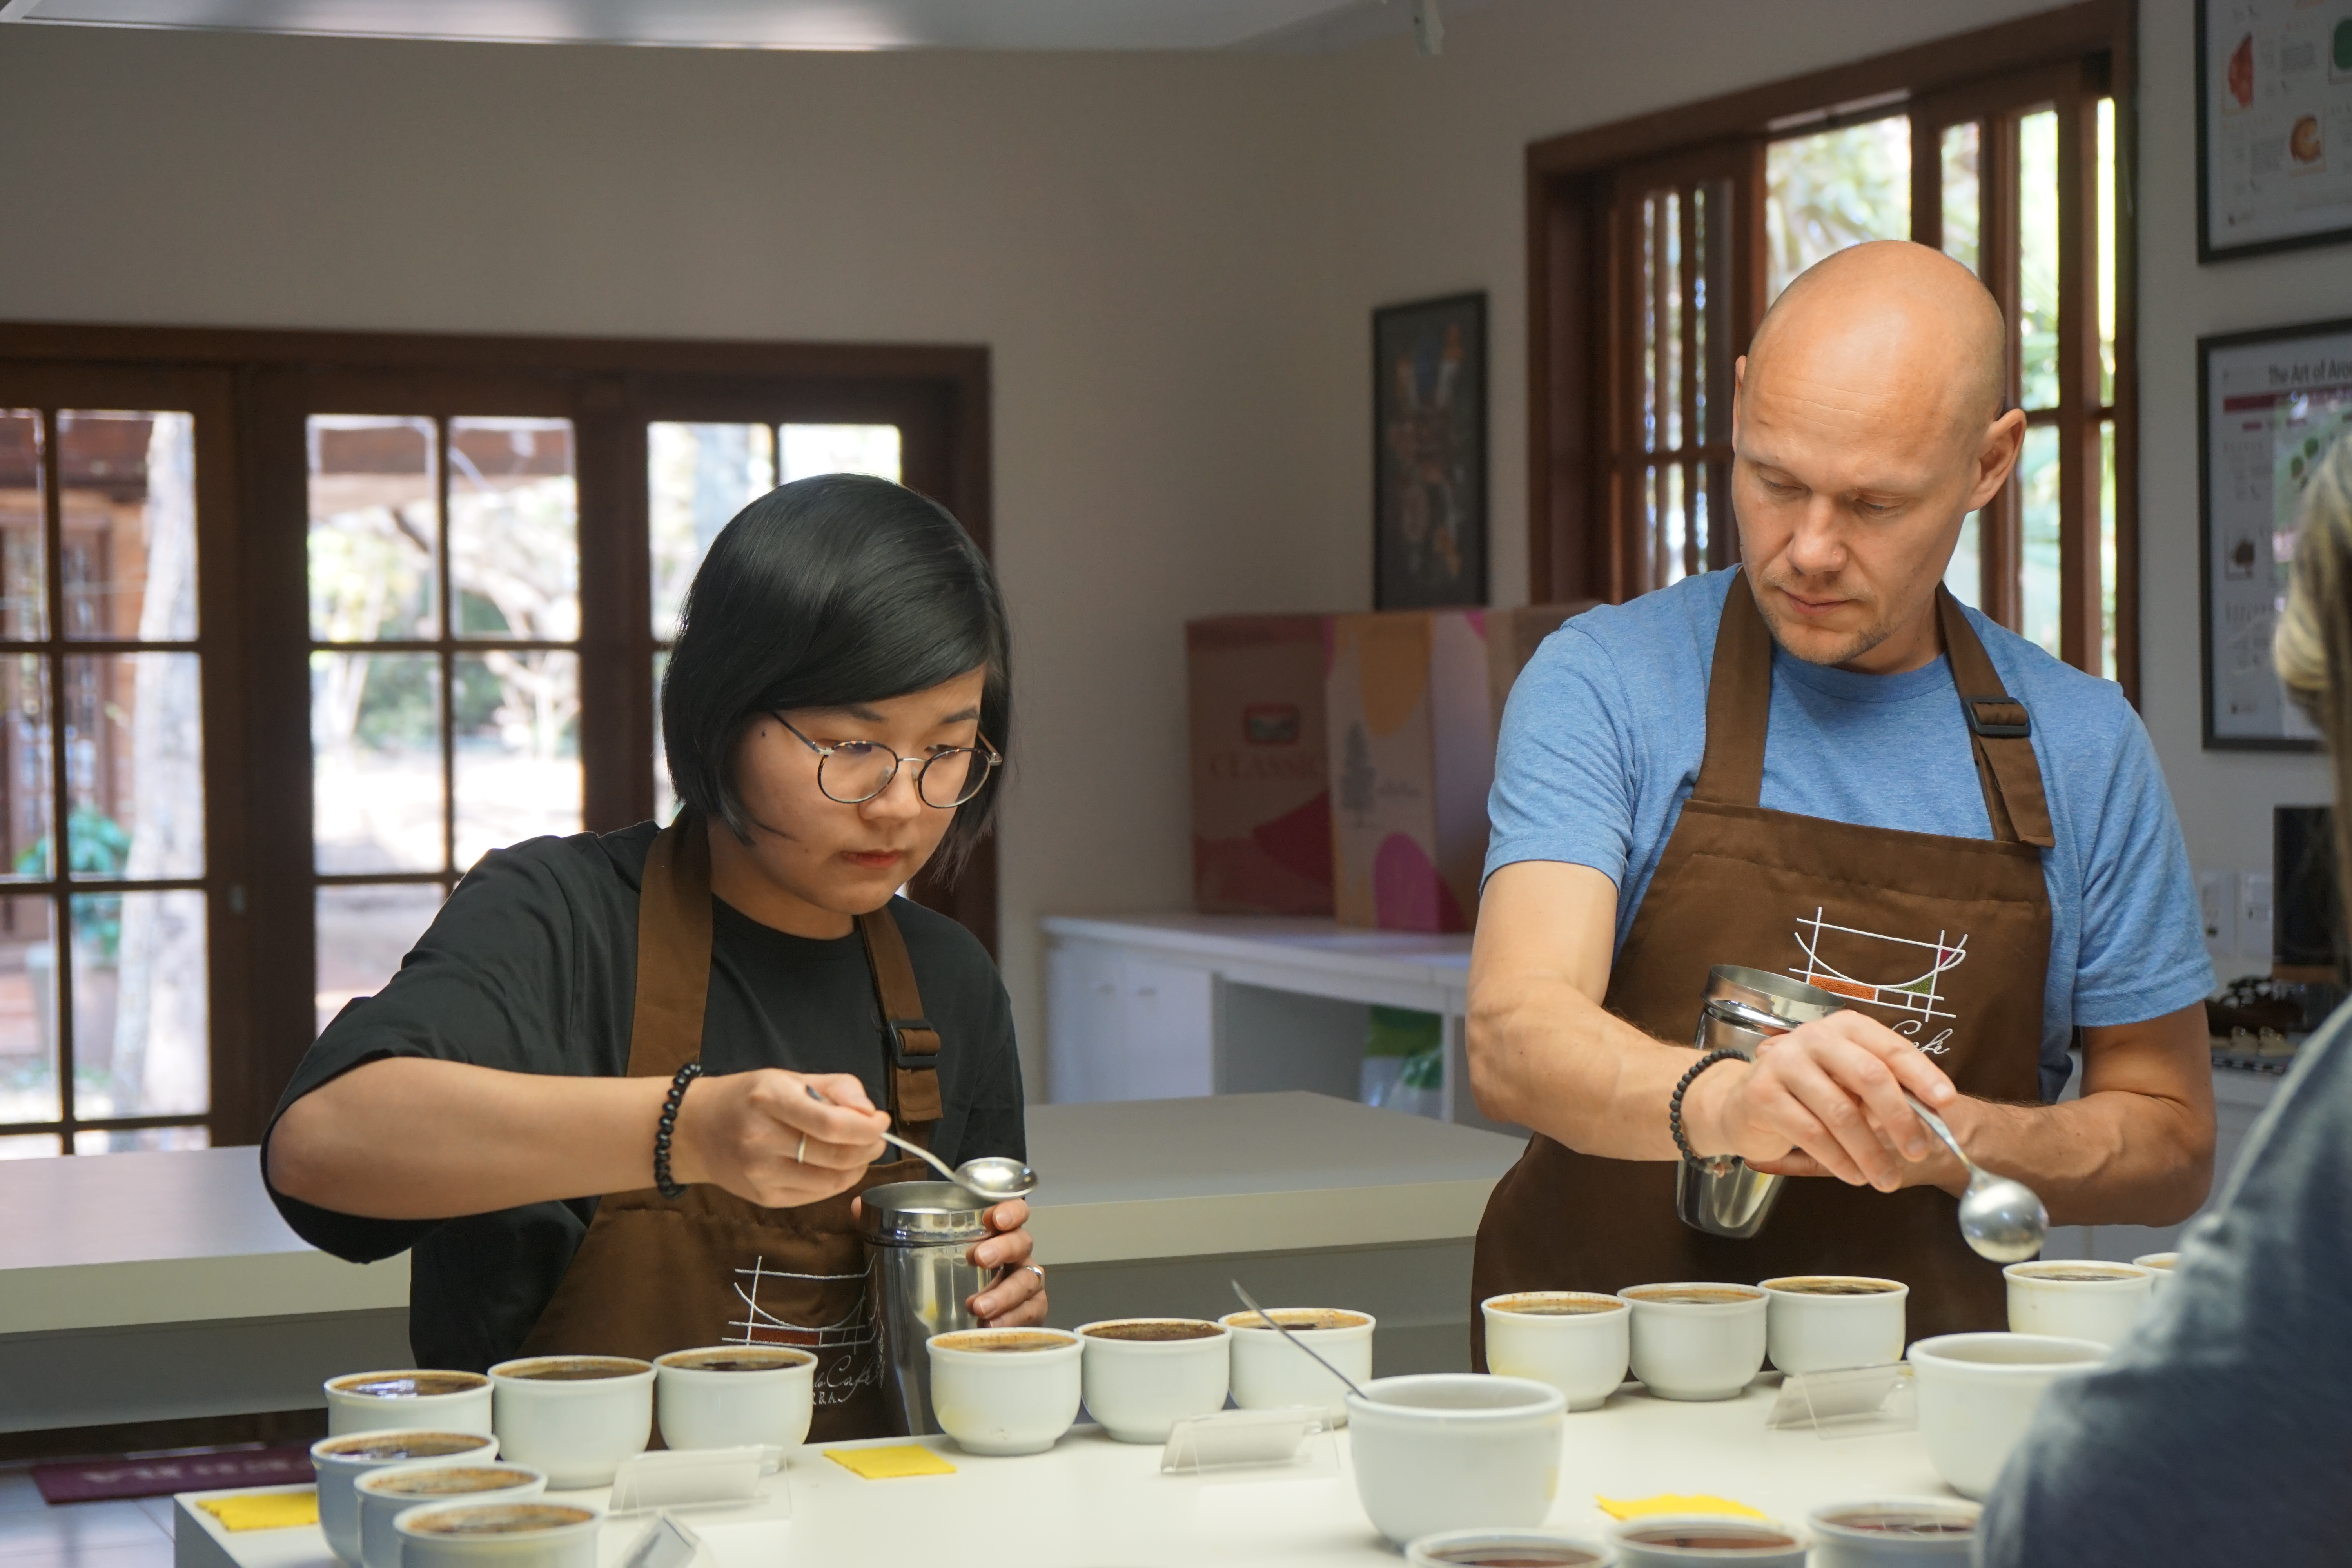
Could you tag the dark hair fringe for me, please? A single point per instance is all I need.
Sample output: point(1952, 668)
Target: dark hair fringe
point(823, 593)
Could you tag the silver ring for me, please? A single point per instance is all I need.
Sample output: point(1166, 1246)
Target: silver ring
point(799, 1153)
point(1038, 1270)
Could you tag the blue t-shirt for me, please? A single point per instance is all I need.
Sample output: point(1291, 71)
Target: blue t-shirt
point(1604, 734)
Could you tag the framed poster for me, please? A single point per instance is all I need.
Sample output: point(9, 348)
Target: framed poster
point(1429, 453)
point(2274, 125)
point(2274, 402)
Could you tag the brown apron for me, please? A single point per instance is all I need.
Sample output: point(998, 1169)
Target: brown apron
point(652, 1274)
point(1946, 940)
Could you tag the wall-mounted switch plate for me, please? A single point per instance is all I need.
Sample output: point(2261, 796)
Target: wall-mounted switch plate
point(2255, 916)
point(2217, 897)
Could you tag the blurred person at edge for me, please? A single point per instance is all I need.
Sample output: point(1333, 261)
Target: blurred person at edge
point(832, 713)
point(2221, 1431)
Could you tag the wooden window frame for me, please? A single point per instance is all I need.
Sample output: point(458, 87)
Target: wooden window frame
point(252, 477)
point(1577, 544)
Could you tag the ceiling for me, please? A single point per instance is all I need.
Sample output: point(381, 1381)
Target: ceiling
point(1277, 24)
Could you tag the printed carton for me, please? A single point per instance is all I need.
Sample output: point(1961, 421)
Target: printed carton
point(1261, 784)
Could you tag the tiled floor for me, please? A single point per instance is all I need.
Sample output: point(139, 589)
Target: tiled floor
point(80, 1534)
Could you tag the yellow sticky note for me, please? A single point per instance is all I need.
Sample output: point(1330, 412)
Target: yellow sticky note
point(264, 1511)
point(1674, 1503)
point(882, 1464)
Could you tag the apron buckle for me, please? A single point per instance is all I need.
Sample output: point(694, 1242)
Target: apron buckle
point(920, 1051)
point(1998, 717)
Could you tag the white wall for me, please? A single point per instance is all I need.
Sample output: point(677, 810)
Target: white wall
point(1173, 258)
point(1126, 233)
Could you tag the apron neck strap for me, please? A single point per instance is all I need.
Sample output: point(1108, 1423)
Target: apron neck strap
point(2001, 735)
point(674, 979)
point(1739, 704)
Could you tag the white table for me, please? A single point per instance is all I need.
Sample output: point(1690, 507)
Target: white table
point(1091, 1500)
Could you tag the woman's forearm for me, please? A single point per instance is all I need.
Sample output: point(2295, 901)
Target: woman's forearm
point(409, 1138)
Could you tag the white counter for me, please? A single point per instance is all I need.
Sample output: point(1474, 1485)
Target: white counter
point(205, 1303)
point(1091, 1500)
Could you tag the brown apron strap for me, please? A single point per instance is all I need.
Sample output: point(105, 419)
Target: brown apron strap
point(1738, 702)
point(673, 950)
point(910, 1042)
point(2000, 733)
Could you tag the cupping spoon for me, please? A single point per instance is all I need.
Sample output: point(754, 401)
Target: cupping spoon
point(1267, 1319)
point(2001, 1219)
point(992, 1176)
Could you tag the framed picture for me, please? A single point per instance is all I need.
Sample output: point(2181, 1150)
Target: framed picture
point(1429, 453)
point(2273, 402)
point(2274, 126)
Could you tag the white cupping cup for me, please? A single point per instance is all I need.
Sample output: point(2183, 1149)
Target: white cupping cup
point(384, 1495)
point(576, 1428)
point(339, 1461)
point(1455, 1450)
point(533, 1533)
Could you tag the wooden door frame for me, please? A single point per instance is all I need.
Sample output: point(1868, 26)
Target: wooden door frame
point(257, 521)
point(1570, 190)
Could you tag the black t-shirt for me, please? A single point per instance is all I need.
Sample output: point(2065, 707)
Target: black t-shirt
point(531, 967)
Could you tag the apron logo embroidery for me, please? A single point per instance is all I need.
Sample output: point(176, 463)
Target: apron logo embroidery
point(846, 1361)
point(1916, 1000)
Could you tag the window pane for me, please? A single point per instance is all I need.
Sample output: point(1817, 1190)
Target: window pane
point(147, 1139)
point(375, 758)
point(1965, 575)
point(28, 1011)
point(374, 500)
point(129, 484)
point(2037, 257)
point(2107, 549)
point(1832, 189)
point(518, 748)
point(514, 529)
point(1653, 206)
point(812, 450)
point(1673, 527)
point(24, 579)
point(139, 1005)
point(25, 740)
point(31, 1146)
point(1963, 211)
point(1667, 310)
point(2107, 220)
point(364, 933)
point(665, 795)
point(134, 766)
point(2037, 483)
point(698, 477)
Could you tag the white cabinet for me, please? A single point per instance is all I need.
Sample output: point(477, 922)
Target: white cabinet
point(1124, 1028)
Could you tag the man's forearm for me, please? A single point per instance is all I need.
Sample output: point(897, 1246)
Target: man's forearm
point(1545, 1055)
point(2112, 1158)
point(406, 1138)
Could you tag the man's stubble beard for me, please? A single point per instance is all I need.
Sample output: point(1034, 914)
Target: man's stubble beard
point(1859, 643)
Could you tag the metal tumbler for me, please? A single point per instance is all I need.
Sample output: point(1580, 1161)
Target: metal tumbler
point(918, 1276)
point(1742, 1008)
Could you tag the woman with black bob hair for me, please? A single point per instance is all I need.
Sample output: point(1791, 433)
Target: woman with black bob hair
point(622, 1095)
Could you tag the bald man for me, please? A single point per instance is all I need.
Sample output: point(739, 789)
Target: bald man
point(1821, 767)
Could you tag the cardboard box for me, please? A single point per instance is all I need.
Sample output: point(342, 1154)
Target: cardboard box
point(1512, 638)
point(1412, 753)
point(1261, 780)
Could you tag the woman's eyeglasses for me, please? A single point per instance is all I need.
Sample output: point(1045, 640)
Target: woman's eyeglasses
point(854, 771)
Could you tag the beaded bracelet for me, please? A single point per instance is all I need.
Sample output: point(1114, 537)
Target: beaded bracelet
point(1674, 1105)
point(669, 1125)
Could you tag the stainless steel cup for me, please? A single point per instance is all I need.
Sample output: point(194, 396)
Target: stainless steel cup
point(917, 1277)
point(1742, 1008)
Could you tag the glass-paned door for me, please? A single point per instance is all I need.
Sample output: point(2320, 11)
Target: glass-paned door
point(105, 907)
point(444, 575)
point(697, 477)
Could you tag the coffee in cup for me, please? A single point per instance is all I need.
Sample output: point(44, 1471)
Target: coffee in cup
point(1143, 1376)
point(408, 1398)
point(2078, 1298)
point(1696, 1339)
point(1831, 1322)
point(532, 1534)
point(1005, 1391)
point(1894, 1533)
point(736, 1396)
point(1270, 1373)
point(575, 1417)
point(1576, 1341)
point(1505, 1549)
point(1676, 1542)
